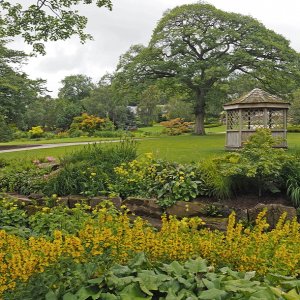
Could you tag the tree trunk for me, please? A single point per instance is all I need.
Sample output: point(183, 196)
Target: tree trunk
point(200, 112)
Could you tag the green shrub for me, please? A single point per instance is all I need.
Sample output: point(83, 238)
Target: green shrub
point(88, 171)
point(6, 133)
point(212, 125)
point(193, 279)
point(23, 177)
point(216, 183)
point(67, 220)
point(108, 134)
point(166, 181)
point(36, 132)
point(294, 128)
point(11, 215)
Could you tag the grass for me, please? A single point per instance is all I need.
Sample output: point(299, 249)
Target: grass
point(180, 148)
point(185, 148)
point(55, 141)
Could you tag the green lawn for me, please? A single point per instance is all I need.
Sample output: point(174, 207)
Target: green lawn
point(185, 148)
point(55, 141)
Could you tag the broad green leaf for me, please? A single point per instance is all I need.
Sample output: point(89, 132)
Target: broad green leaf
point(107, 296)
point(212, 294)
point(291, 295)
point(133, 292)
point(96, 280)
point(196, 266)
point(51, 296)
point(85, 293)
point(174, 268)
point(69, 296)
point(138, 261)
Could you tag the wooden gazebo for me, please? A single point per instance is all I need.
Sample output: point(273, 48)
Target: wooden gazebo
point(257, 109)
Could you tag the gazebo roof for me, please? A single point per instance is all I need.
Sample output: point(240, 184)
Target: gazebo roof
point(257, 96)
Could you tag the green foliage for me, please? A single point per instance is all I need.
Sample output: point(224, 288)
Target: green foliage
point(89, 170)
point(23, 177)
point(201, 47)
point(295, 108)
point(90, 123)
point(177, 126)
point(17, 91)
point(292, 178)
point(36, 132)
point(294, 128)
point(11, 214)
point(176, 182)
point(193, 279)
point(258, 162)
point(75, 87)
point(217, 184)
point(168, 182)
point(6, 133)
point(178, 108)
point(43, 21)
point(67, 220)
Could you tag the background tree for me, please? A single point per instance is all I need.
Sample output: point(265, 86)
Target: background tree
point(202, 46)
point(75, 87)
point(179, 108)
point(16, 89)
point(106, 101)
point(295, 107)
point(45, 20)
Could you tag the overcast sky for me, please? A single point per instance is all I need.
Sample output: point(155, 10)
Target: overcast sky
point(131, 22)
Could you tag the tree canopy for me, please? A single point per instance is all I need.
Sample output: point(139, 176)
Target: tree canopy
point(16, 89)
point(45, 20)
point(201, 47)
point(76, 87)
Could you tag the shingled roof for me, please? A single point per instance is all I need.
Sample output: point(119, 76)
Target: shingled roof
point(257, 96)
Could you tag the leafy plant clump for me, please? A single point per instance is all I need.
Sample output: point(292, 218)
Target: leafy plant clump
point(168, 182)
point(193, 279)
point(90, 170)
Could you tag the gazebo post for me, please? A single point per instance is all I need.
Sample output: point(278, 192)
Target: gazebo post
point(240, 127)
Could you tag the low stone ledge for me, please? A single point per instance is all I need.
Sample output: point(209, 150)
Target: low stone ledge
point(144, 207)
point(274, 212)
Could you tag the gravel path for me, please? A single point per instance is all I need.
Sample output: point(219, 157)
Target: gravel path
point(45, 146)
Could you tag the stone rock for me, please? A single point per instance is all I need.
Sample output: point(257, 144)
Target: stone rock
point(223, 209)
point(62, 201)
point(51, 165)
point(36, 196)
point(31, 209)
point(75, 199)
point(157, 223)
point(143, 207)
point(187, 209)
point(241, 214)
point(117, 201)
point(274, 212)
point(22, 200)
point(215, 223)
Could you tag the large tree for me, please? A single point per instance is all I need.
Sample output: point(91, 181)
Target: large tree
point(76, 87)
point(201, 46)
point(16, 89)
point(38, 21)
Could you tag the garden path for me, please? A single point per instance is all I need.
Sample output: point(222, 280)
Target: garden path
point(45, 146)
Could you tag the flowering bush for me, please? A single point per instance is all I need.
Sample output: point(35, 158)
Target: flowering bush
point(108, 236)
point(177, 126)
point(90, 123)
point(36, 132)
